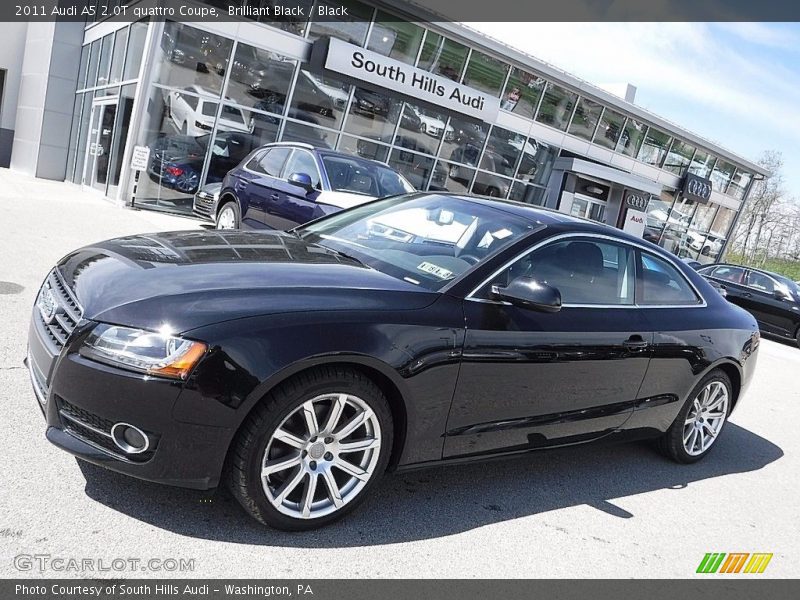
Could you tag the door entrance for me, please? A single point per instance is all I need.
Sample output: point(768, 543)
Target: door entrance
point(102, 146)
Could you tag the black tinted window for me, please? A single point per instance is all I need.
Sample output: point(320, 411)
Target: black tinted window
point(760, 282)
point(584, 271)
point(732, 274)
point(662, 283)
point(271, 163)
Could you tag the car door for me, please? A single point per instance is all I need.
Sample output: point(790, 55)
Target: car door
point(531, 378)
point(773, 313)
point(255, 185)
point(294, 205)
point(732, 279)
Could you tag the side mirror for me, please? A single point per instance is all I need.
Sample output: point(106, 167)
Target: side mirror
point(781, 294)
point(526, 292)
point(302, 180)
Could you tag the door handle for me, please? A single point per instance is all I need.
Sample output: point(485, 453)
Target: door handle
point(274, 196)
point(747, 295)
point(635, 342)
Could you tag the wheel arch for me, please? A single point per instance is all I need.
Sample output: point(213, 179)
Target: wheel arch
point(734, 372)
point(225, 197)
point(379, 373)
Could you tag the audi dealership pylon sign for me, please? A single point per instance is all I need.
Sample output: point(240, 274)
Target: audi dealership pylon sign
point(697, 188)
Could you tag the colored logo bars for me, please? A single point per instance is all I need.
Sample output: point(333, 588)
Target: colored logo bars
point(735, 562)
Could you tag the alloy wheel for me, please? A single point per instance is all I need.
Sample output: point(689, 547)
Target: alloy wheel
point(705, 418)
point(227, 218)
point(321, 456)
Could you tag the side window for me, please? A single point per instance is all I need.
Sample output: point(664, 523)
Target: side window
point(254, 163)
point(272, 161)
point(190, 100)
point(585, 271)
point(760, 282)
point(732, 274)
point(303, 162)
point(662, 283)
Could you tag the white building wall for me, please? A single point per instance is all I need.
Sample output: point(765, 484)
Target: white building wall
point(13, 42)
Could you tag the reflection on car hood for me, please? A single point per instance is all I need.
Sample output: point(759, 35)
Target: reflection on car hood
point(343, 199)
point(193, 278)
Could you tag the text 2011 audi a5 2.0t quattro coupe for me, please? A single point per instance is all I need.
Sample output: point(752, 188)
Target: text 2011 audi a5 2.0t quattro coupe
point(299, 366)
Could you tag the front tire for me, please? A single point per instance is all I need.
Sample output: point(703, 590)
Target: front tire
point(699, 424)
point(312, 450)
point(228, 216)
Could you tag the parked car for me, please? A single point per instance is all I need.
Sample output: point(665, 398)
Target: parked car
point(193, 110)
point(431, 125)
point(176, 161)
point(285, 184)
point(706, 245)
point(297, 367)
point(774, 300)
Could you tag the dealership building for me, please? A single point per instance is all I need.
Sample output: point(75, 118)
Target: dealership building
point(145, 113)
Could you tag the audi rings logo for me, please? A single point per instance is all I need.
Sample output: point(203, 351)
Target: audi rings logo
point(699, 188)
point(636, 202)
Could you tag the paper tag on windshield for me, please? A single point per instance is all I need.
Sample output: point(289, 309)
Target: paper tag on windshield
point(435, 270)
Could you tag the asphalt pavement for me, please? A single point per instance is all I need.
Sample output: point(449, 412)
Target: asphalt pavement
point(599, 511)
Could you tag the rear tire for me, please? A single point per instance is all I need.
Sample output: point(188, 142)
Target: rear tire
point(701, 420)
point(295, 466)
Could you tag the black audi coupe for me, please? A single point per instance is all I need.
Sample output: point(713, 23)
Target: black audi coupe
point(297, 367)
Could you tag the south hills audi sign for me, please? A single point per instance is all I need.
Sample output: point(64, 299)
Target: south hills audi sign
point(364, 65)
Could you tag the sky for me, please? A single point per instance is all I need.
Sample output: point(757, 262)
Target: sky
point(737, 84)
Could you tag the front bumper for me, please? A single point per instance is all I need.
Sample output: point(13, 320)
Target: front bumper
point(81, 400)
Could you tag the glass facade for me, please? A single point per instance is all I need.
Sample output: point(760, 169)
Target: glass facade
point(211, 99)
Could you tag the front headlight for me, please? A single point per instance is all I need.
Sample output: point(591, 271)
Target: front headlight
point(151, 352)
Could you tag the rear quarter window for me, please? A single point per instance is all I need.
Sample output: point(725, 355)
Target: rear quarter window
point(664, 284)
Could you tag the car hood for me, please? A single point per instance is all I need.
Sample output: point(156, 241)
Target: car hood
point(188, 279)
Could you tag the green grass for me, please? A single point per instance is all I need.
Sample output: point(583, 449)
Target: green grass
point(786, 267)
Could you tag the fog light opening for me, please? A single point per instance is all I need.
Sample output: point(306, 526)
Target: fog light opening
point(130, 439)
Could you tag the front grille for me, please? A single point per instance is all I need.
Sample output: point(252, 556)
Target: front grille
point(203, 205)
point(96, 431)
point(57, 310)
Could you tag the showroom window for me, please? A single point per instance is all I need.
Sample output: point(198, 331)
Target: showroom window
point(739, 183)
point(298, 132)
point(530, 194)
point(363, 148)
point(505, 147)
point(320, 100)
point(461, 138)
point(699, 244)
point(556, 107)
point(631, 139)
point(425, 126)
point(442, 56)
point(137, 36)
point(522, 93)
point(94, 59)
point(259, 79)
point(654, 148)
point(662, 284)
point(351, 29)
point(418, 169)
point(459, 177)
point(679, 156)
point(721, 175)
point(585, 119)
point(399, 40)
point(83, 67)
point(191, 56)
point(118, 56)
point(485, 73)
point(106, 48)
point(373, 115)
point(609, 129)
point(702, 163)
point(657, 213)
point(536, 162)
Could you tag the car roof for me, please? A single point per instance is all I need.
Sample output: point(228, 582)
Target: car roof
point(757, 270)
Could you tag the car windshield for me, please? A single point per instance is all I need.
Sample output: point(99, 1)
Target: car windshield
point(425, 240)
point(357, 176)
